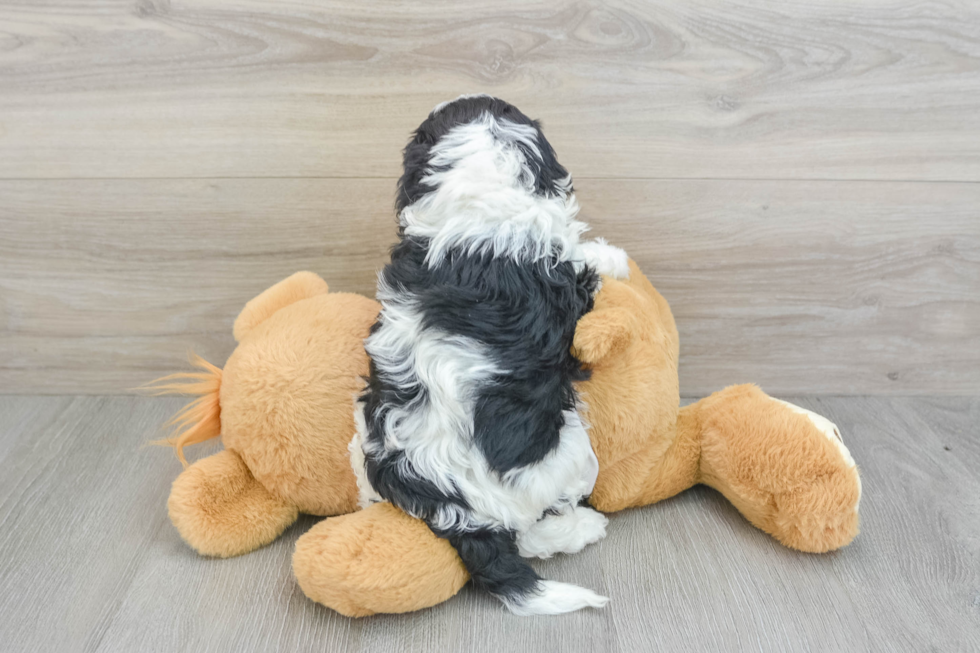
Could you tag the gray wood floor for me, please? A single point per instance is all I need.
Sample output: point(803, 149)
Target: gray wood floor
point(91, 563)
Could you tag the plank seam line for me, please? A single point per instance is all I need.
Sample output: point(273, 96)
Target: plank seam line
point(577, 178)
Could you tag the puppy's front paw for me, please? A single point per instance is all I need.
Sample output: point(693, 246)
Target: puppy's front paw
point(607, 259)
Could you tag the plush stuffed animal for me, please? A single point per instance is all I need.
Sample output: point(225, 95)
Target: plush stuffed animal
point(284, 403)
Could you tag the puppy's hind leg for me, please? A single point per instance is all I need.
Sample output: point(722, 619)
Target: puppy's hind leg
point(569, 531)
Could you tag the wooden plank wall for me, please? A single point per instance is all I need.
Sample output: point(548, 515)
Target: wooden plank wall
point(800, 180)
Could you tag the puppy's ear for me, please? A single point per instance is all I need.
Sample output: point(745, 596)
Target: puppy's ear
point(602, 333)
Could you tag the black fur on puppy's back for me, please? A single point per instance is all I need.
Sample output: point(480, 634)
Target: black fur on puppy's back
point(547, 172)
point(525, 314)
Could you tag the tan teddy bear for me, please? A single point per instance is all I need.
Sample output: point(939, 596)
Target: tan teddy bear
point(284, 403)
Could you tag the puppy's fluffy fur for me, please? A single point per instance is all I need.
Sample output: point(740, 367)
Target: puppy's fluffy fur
point(470, 420)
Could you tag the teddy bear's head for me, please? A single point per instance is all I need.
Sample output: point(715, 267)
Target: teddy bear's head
point(287, 397)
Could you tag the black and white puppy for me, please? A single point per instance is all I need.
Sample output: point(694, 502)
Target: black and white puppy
point(470, 421)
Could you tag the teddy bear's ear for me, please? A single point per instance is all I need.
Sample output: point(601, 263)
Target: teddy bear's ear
point(301, 285)
point(601, 333)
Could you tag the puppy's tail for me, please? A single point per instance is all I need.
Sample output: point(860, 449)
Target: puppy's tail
point(200, 419)
point(495, 566)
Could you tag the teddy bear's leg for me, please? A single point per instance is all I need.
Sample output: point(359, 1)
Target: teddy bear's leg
point(785, 468)
point(568, 531)
point(651, 472)
point(221, 510)
point(376, 560)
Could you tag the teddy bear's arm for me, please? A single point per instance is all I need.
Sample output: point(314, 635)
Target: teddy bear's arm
point(602, 333)
point(221, 510)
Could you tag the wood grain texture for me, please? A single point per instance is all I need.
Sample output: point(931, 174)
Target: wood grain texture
point(817, 287)
point(161, 88)
point(90, 562)
point(800, 180)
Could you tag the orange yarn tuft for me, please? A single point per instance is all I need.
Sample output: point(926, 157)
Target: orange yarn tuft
point(200, 420)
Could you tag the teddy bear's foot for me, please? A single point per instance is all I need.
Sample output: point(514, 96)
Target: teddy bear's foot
point(830, 431)
point(569, 531)
point(376, 560)
point(825, 517)
point(221, 510)
point(785, 468)
point(817, 519)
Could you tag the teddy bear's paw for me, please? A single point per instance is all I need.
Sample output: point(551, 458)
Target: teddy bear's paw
point(823, 515)
point(832, 433)
point(607, 259)
point(820, 532)
point(569, 531)
point(825, 426)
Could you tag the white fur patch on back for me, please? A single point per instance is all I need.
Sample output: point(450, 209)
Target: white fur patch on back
point(483, 199)
point(483, 202)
